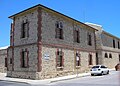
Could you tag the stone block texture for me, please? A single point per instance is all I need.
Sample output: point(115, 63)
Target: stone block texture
point(41, 45)
point(3, 60)
point(105, 45)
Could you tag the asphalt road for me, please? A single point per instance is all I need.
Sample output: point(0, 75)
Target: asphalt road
point(8, 83)
point(113, 79)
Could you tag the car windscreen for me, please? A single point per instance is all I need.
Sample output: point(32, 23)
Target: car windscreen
point(95, 67)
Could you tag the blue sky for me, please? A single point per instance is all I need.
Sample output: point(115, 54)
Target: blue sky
point(103, 12)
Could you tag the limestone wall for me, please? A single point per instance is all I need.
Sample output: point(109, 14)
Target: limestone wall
point(20, 72)
point(29, 43)
point(32, 58)
point(107, 40)
point(32, 19)
point(49, 69)
point(110, 62)
point(48, 32)
point(3, 55)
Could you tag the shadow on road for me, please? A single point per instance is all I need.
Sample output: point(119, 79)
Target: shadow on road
point(11, 83)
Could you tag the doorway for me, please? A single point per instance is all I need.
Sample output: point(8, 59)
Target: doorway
point(97, 61)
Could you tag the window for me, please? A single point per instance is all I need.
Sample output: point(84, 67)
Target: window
point(5, 62)
point(89, 38)
point(10, 60)
point(95, 66)
point(59, 58)
point(118, 45)
point(90, 59)
point(119, 57)
point(110, 55)
point(76, 36)
point(77, 59)
point(59, 30)
point(25, 29)
point(106, 55)
point(103, 67)
point(11, 41)
point(113, 43)
point(24, 59)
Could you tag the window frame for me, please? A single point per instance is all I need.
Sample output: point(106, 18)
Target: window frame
point(114, 43)
point(90, 59)
point(76, 36)
point(118, 45)
point(59, 30)
point(77, 59)
point(25, 29)
point(89, 39)
point(11, 61)
point(60, 57)
point(24, 58)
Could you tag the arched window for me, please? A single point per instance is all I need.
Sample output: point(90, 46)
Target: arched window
point(110, 55)
point(106, 55)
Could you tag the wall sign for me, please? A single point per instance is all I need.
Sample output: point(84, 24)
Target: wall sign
point(46, 56)
point(77, 58)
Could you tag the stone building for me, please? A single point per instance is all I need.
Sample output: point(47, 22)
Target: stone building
point(107, 47)
point(45, 44)
point(3, 59)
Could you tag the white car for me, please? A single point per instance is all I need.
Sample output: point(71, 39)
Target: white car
point(99, 69)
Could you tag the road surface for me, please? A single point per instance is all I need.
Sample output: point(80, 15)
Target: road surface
point(8, 83)
point(113, 79)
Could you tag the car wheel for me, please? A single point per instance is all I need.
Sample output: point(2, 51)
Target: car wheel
point(92, 74)
point(101, 73)
point(107, 72)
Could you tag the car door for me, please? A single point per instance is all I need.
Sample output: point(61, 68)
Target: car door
point(104, 69)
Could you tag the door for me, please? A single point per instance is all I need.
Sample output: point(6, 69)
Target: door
point(97, 61)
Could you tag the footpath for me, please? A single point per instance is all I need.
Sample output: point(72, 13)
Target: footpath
point(43, 82)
